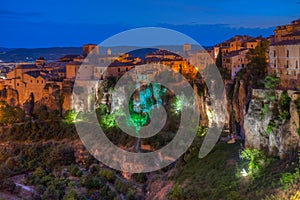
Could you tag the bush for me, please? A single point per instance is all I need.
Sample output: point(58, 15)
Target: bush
point(176, 193)
point(107, 175)
point(257, 161)
point(10, 115)
point(51, 193)
point(41, 113)
point(271, 127)
point(90, 182)
point(72, 195)
point(74, 170)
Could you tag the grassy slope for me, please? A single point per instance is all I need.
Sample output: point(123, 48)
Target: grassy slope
point(218, 176)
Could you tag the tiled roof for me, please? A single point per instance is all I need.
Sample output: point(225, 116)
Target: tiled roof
point(55, 64)
point(26, 66)
point(34, 74)
point(286, 42)
point(74, 63)
point(297, 33)
point(71, 56)
point(234, 53)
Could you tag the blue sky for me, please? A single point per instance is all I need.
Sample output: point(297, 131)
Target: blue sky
point(72, 23)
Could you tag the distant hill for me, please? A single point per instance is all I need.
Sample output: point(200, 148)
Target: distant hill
point(23, 54)
point(124, 49)
point(54, 53)
point(4, 49)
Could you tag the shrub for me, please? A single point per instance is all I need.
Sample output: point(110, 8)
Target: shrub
point(10, 115)
point(107, 175)
point(51, 193)
point(41, 113)
point(271, 127)
point(74, 170)
point(72, 195)
point(257, 161)
point(176, 193)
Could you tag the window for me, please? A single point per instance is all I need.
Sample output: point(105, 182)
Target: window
point(30, 81)
point(296, 64)
point(287, 64)
point(37, 81)
point(274, 53)
point(42, 81)
point(287, 53)
point(17, 84)
point(119, 69)
point(275, 63)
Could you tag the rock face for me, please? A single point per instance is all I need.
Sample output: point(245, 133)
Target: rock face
point(239, 103)
point(283, 140)
point(212, 110)
point(159, 189)
point(10, 96)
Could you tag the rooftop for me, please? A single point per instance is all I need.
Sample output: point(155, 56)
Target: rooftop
point(286, 42)
point(234, 53)
point(26, 66)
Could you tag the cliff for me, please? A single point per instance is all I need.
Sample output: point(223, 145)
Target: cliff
point(263, 129)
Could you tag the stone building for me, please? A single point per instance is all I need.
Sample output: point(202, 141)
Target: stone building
point(287, 32)
point(235, 61)
point(234, 52)
point(284, 55)
point(201, 59)
point(29, 82)
point(284, 59)
point(90, 48)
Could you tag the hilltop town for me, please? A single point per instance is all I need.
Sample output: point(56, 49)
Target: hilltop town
point(256, 155)
point(48, 82)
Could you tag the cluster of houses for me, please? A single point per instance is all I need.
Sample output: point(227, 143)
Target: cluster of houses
point(46, 82)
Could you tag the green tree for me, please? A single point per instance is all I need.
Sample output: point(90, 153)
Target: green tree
point(176, 193)
point(258, 63)
point(271, 82)
point(219, 63)
point(72, 195)
point(51, 193)
point(219, 59)
point(41, 113)
point(9, 114)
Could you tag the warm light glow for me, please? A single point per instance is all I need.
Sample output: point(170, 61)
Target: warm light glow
point(244, 172)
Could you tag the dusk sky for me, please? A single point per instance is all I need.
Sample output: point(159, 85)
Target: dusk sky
point(73, 23)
